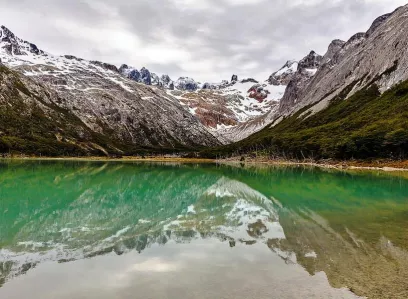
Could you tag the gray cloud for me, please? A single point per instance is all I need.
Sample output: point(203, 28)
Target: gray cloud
point(206, 39)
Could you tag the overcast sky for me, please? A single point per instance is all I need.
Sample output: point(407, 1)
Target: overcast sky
point(208, 40)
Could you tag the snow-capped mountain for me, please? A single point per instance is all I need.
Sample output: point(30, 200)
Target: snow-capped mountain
point(224, 105)
point(16, 46)
point(229, 106)
point(228, 110)
point(103, 99)
point(285, 74)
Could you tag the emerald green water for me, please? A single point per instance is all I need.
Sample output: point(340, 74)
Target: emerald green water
point(122, 229)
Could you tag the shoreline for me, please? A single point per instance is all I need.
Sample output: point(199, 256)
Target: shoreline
point(107, 159)
point(387, 166)
point(384, 165)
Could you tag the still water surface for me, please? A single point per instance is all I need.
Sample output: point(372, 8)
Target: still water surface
point(130, 230)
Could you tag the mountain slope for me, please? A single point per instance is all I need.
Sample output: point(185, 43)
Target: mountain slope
point(231, 111)
point(122, 110)
point(32, 122)
point(366, 125)
point(376, 56)
point(353, 107)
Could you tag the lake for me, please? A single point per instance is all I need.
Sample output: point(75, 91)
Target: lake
point(75, 229)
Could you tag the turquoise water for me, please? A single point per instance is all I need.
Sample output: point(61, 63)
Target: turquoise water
point(116, 229)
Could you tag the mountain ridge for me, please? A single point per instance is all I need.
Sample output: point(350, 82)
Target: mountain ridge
point(237, 102)
point(353, 107)
point(141, 108)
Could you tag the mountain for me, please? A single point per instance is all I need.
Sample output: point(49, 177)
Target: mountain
point(350, 103)
point(376, 56)
point(136, 108)
point(31, 121)
point(285, 74)
point(306, 69)
point(230, 110)
point(269, 96)
point(128, 114)
point(186, 83)
point(119, 102)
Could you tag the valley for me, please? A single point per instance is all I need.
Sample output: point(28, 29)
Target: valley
point(347, 104)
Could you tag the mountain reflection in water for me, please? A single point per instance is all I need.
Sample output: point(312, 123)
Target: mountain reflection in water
point(352, 227)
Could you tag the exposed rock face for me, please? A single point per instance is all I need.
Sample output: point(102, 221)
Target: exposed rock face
point(72, 57)
point(334, 47)
point(109, 104)
point(165, 79)
point(171, 85)
point(377, 22)
point(233, 111)
point(222, 85)
point(31, 117)
point(16, 46)
point(186, 83)
point(211, 108)
point(354, 41)
point(208, 86)
point(311, 61)
point(106, 66)
point(258, 93)
point(285, 74)
point(130, 73)
point(226, 104)
point(306, 69)
point(378, 56)
point(245, 129)
point(252, 80)
point(145, 76)
point(167, 82)
point(155, 80)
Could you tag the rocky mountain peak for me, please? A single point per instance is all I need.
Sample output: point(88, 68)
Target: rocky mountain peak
point(186, 83)
point(251, 80)
point(377, 22)
point(145, 76)
point(16, 46)
point(284, 74)
point(377, 56)
point(311, 61)
point(106, 66)
point(129, 72)
point(167, 82)
point(333, 48)
point(234, 78)
point(6, 33)
point(306, 70)
point(355, 40)
point(123, 67)
point(156, 80)
point(336, 44)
